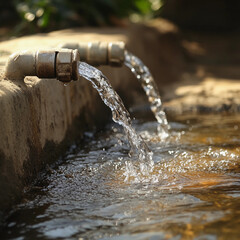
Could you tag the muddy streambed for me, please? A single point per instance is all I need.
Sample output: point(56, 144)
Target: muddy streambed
point(97, 192)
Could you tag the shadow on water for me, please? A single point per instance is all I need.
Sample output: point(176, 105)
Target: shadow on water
point(192, 193)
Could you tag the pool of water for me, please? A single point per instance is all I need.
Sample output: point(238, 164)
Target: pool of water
point(98, 192)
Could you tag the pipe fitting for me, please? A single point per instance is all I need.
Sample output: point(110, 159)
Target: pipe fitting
point(66, 65)
point(60, 64)
point(99, 53)
point(45, 63)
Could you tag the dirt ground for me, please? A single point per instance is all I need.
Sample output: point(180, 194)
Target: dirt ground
point(211, 80)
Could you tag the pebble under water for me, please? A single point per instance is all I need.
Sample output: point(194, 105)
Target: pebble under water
point(193, 191)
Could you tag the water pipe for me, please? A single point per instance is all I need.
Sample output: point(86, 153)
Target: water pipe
point(99, 53)
point(60, 64)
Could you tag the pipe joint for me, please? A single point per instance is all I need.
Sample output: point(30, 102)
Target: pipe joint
point(45, 63)
point(66, 65)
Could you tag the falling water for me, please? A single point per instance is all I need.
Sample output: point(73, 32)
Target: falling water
point(148, 84)
point(119, 113)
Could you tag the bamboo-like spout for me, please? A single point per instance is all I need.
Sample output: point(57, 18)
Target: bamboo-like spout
point(59, 64)
point(99, 53)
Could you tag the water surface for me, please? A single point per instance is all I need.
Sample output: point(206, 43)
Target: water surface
point(96, 191)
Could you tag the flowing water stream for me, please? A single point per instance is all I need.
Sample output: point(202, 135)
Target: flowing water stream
point(193, 191)
point(120, 115)
point(144, 76)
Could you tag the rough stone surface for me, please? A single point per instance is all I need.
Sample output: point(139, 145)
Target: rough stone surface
point(211, 81)
point(211, 95)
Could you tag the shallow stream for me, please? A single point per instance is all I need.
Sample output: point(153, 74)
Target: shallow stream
point(97, 192)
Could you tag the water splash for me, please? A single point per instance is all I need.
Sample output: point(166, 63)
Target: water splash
point(149, 86)
point(192, 191)
point(119, 113)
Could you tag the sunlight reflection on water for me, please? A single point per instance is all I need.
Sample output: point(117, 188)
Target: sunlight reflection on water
point(192, 193)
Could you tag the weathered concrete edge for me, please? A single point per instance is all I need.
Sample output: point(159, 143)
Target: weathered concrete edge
point(39, 117)
point(37, 123)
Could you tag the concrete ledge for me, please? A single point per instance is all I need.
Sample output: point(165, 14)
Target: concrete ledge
point(35, 115)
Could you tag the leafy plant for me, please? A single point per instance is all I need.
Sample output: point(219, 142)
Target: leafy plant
point(45, 15)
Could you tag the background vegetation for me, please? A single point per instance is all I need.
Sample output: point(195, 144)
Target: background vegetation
point(28, 16)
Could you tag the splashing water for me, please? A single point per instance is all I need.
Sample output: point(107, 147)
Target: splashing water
point(192, 193)
point(119, 114)
point(149, 86)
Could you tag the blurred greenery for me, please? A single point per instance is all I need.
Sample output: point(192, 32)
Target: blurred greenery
point(45, 15)
point(19, 17)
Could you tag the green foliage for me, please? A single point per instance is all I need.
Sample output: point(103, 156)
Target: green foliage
point(44, 15)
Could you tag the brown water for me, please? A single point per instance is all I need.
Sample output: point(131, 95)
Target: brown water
point(192, 193)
